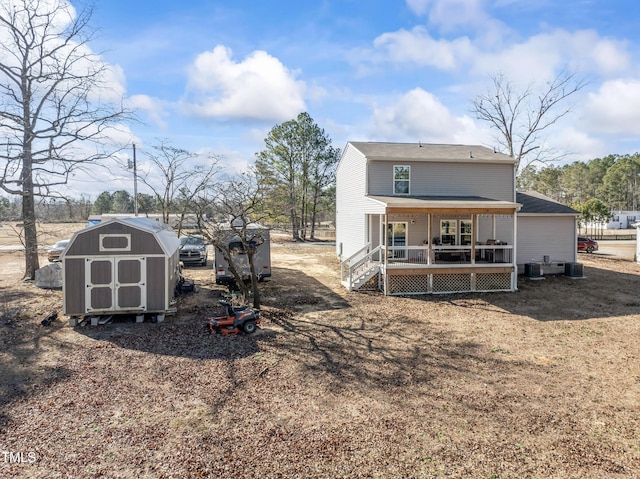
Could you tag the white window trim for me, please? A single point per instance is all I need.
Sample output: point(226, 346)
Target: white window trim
point(104, 236)
point(408, 180)
point(458, 230)
point(402, 252)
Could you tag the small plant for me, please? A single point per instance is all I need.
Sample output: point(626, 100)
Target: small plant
point(500, 350)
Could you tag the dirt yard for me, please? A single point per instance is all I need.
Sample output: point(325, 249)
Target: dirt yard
point(541, 383)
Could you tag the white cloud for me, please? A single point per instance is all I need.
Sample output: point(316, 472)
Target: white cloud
point(600, 55)
point(260, 87)
point(541, 56)
point(50, 23)
point(419, 7)
point(452, 15)
point(112, 86)
point(418, 115)
point(613, 109)
point(537, 59)
point(449, 13)
point(231, 161)
point(420, 48)
point(576, 145)
point(153, 107)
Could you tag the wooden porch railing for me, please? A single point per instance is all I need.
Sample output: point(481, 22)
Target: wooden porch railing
point(423, 255)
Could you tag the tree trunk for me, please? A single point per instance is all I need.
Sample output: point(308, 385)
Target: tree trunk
point(32, 262)
point(303, 209)
point(294, 225)
point(254, 281)
point(314, 208)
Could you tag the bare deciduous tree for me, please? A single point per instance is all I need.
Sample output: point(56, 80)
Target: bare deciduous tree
point(56, 104)
point(183, 182)
point(522, 118)
point(240, 208)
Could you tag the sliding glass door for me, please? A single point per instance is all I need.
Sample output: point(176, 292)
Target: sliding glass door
point(397, 240)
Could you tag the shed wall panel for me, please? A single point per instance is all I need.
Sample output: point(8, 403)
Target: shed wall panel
point(74, 286)
point(156, 288)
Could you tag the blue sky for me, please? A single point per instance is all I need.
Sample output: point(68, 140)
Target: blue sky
point(216, 76)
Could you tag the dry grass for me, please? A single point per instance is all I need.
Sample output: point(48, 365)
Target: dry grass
point(542, 383)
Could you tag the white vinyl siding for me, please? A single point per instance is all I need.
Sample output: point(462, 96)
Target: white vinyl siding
point(351, 202)
point(492, 181)
point(540, 236)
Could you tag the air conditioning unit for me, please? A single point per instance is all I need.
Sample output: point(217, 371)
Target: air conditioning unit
point(532, 270)
point(573, 270)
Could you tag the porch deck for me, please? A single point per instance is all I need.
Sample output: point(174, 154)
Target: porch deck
point(417, 256)
point(439, 269)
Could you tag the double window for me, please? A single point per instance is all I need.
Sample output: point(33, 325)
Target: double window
point(401, 179)
point(456, 232)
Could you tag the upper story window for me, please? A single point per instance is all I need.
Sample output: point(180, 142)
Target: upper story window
point(401, 177)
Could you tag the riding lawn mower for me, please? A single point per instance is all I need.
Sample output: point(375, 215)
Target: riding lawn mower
point(236, 319)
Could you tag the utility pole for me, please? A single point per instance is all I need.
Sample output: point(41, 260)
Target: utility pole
point(135, 183)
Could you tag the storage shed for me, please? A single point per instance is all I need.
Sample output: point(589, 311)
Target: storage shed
point(122, 266)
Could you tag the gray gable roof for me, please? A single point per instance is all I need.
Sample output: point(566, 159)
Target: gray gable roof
point(536, 203)
point(429, 152)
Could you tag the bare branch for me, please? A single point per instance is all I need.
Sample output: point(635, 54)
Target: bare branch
point(53, 115)
point(520, 118)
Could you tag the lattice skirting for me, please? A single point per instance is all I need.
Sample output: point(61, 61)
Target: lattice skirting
point(397, 284)
point(448, 283)
point(451, 283)
point(493, 282)
point(373, 284)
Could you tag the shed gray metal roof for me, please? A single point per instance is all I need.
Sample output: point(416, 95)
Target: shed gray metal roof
point(167, 239)
point(429, 152)
point(536, 203)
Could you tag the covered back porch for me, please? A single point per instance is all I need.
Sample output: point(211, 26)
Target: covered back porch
point(436, 245)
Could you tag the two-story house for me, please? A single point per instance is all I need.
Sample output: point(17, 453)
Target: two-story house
point(424, 218)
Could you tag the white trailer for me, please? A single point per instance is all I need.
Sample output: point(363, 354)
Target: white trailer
point(261, 259)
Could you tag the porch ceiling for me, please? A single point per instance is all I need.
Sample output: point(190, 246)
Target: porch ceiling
point(445, 204)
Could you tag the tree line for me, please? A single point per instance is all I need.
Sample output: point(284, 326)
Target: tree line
point(596, 187)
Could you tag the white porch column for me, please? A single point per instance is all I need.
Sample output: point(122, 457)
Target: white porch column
point(384, 242)
point(474, 239)
point(514, 275)
point(429, 239)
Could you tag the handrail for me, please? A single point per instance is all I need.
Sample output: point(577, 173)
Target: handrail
point(346, 263)
point(364, 249)
point(357, 267)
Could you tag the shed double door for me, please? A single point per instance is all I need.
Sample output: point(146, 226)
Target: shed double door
point(115, 284)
